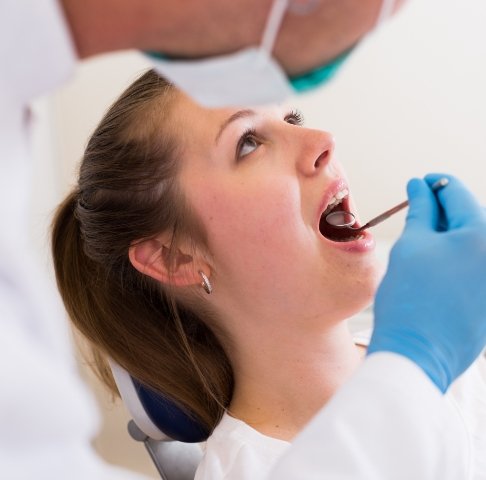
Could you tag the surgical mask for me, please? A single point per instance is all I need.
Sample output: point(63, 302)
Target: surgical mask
point(250, 76)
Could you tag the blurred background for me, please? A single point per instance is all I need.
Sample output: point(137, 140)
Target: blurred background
point(409, 101)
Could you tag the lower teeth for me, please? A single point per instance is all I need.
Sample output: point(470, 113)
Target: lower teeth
point(347, 239)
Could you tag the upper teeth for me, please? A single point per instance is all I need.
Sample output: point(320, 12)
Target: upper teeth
point(337, 199)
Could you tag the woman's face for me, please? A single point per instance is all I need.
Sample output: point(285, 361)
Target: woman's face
point(260, 182)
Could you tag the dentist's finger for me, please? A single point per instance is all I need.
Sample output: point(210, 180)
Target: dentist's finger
point(423, 212)
point(459, 204)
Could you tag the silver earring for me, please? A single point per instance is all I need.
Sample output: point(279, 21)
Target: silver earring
point(206, 284)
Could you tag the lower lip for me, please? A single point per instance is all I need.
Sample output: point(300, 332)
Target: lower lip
point(362, 245)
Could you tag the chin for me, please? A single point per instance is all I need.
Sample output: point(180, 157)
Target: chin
point(368, 288)
point(360, 292)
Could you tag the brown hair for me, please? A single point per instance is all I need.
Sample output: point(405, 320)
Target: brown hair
point(128, 190)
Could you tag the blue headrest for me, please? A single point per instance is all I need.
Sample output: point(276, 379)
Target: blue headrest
point(168, 417)
point(156, 416)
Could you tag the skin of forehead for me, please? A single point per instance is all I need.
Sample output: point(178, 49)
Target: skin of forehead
point(197, 28)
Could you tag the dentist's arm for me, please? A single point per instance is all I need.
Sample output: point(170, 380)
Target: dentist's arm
point(388, 422)
point(391, 420)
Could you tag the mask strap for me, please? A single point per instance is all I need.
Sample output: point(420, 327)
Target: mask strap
point(385, 11)
point(275, 17)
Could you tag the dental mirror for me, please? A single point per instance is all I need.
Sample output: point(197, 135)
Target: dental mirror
point(342, 219)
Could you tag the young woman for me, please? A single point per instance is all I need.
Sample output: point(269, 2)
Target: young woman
point(194, 253)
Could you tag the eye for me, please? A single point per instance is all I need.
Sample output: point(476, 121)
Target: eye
point(248, 143)
point(294, 118)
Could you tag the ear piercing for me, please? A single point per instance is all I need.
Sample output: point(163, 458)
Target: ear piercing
point(206, 284)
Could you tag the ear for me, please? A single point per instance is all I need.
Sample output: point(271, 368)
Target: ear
point(151, 257)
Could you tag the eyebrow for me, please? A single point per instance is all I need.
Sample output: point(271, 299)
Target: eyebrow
point(236, 116)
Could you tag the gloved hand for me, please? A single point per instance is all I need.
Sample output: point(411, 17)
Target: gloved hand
point(431, 304)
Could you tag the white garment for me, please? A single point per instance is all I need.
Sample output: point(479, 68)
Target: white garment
point(408, 434)
point(236, 451)
point(47, 418)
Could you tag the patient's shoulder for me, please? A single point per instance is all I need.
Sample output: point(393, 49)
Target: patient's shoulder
point(236, 451)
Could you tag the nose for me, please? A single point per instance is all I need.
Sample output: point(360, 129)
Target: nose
point(315, 152)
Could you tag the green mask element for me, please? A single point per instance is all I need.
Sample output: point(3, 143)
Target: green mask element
point(319, 76)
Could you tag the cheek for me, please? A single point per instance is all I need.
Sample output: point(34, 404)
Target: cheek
point(250, 219)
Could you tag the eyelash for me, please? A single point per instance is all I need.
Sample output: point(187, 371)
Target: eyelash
point(294, 117)
point(248, 134)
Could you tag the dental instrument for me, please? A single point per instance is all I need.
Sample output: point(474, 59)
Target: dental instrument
point(343, 219)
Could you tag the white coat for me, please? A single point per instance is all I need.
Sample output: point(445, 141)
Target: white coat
point(388, 422)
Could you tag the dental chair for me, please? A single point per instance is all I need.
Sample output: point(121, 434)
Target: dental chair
point(170, 436)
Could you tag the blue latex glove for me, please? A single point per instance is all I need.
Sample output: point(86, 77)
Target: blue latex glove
point(431, 304)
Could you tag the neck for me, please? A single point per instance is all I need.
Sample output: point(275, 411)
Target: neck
point(283, 379)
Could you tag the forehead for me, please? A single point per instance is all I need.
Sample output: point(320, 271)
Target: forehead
point(195, 122)
point(200, 125)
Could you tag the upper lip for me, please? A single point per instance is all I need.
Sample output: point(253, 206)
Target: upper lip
point(331, 191)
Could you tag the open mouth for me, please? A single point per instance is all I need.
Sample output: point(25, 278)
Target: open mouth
point(340, 202)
